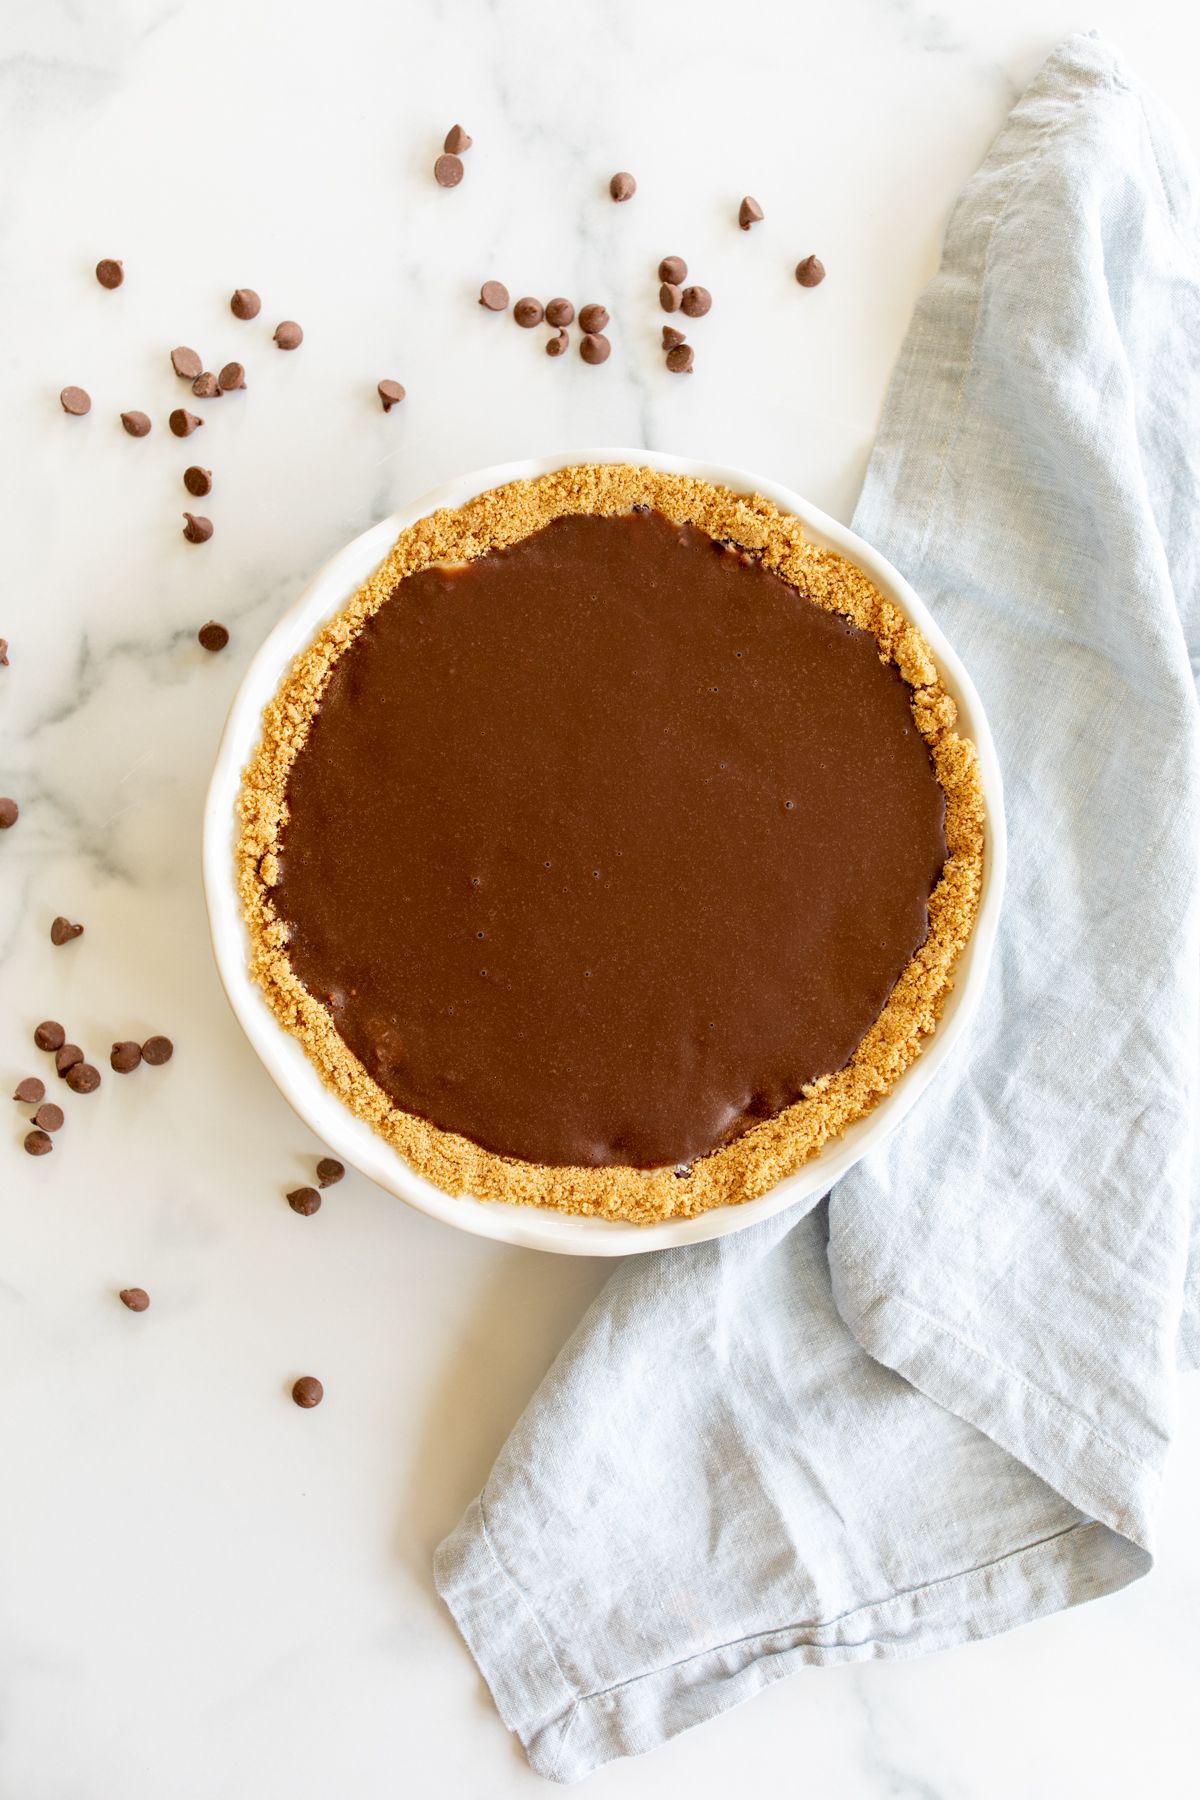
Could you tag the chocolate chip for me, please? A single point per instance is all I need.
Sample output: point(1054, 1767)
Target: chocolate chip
point(185, 362)
point(622, 186)
point(390, 393)
point(137, 424)
point(10, 812)
point(125, 1056)
point(595, 348)
point(198, 529)
point(38, 1143)
point(33, 1089)
point(67, 1057)
point(62, 931)
point(329, 1171)
point(593, 317)
point(447, 170)
point(110, 273)
point(494, 295)
point(232, 377)
point(84, 1078)
point(749, 212)
point(245, 304)
point(49, 1117)
point(158, 1050)
point(198, 481)
point(671, 337)
point(288, 335)
point(49, 1035)
point(529, 312)
point(696, 302)
point(213, 636)
point(304, 1200)
point(206, 386)
point(670, 296)
point(673, 269)
point(559, 344)
point(308, 1391)
point(810, 272)
point(76, 401)
point(559, 312)
point(183, 423)
point(680, 359)
point(136, 1299)
point(457, 140)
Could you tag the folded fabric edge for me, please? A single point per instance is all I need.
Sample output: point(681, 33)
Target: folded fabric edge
point(568, 1735)
point(1061, 1447)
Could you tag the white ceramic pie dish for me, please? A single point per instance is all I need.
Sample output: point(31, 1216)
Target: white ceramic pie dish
point(285, 1060)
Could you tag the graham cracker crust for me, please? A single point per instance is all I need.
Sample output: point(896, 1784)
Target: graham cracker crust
point(776, 1147)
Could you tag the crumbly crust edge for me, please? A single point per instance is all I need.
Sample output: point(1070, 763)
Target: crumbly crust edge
point(770, 1150)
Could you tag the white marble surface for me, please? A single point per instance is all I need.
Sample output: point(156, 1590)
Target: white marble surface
point(204, 1591)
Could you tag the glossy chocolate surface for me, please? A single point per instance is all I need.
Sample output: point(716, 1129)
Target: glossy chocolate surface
point(603, 846)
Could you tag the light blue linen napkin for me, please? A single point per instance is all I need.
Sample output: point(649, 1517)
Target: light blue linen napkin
point(938, 1405)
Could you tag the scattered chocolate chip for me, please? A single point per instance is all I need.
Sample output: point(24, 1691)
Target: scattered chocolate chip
point(198, 529)
point(288, 335)
point(390, 393)
point(62, 931)
point(304, 1200)
point(559, 312)
point(457, 140)
point(158, 1050)
point(494, 295)
point(33, 1089)
point(245, 304)
point(83, 1078)
point(136, 1299)
point(110, 273)
point(593, 317)
point(38, 1143)
point(671, 337)
point(448, 170)
point(810, 272)
point(595, 348)
point(49, 1117)
point(696, 302)
point(3, 653)
point(125, 1056)
point(559, 344)
point(232, 377)
point(10, 812)
point(680, 359)
point(198, 481)
point(185, 362)
point(329, 1171)
point(137, 424)
point(749, 212)
point(76, 401)
point(206, 386)
point(213, 636)
point(67, 1057)
point(308, 1391)
point(673, 269)
point(183, 423)
point(670, 296)
point(622, 186)
point(529, 312)
point(49, 1035)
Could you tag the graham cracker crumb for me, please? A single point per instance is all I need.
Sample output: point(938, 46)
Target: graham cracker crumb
point(776, 1147)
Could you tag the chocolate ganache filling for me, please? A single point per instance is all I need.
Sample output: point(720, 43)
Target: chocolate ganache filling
point(603, 846)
